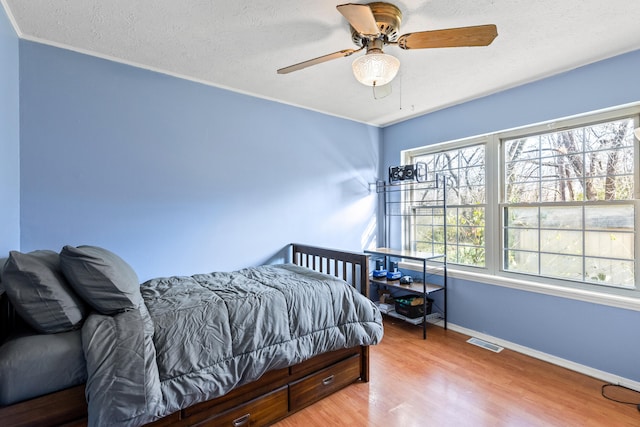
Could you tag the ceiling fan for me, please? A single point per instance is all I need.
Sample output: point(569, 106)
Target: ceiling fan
point(375, 25)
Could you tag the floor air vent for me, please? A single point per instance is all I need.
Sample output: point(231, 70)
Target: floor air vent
point(484, 344)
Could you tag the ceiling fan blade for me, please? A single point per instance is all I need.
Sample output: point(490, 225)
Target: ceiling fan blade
point(318, 60)
point(480, 35)
point(360, 17)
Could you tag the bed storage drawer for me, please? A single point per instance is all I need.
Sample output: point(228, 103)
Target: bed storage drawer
point(258, 412)
point(268, 382)
point(322, 361)
point(316, 386)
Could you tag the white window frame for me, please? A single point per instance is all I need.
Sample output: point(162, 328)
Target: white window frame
point(493, 274)
point(439, 149)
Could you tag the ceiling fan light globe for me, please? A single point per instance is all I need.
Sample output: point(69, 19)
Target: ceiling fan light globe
point(375, 69)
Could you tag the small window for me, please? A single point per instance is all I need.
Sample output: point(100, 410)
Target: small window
point(464, 171)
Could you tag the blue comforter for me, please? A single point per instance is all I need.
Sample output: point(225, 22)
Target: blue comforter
point(196, 338)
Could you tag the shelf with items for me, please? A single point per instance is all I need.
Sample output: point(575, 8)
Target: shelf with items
point(433, 271)
point(413, 215)
point(416, 286)
point(390, 310)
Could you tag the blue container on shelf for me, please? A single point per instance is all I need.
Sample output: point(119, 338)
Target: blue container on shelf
point(394, 273)
point(380, 271)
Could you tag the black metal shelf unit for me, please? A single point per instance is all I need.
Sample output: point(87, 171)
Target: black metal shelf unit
point(415, 212)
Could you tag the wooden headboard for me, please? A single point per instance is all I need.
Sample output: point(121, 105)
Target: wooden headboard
point(351, 267)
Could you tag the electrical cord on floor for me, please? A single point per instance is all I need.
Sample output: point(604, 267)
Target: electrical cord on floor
point(604, 394)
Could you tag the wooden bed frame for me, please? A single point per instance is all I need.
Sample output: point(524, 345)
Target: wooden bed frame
point(273, 397)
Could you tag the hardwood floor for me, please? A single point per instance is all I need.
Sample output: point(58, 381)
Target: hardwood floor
point(444, 381)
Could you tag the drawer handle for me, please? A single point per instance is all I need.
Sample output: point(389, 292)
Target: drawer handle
point(241, 421)
point(328, 380)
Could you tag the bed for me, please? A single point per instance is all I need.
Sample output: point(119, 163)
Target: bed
point(133, 374)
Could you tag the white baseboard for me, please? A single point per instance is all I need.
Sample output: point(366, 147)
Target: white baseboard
point(586, 370)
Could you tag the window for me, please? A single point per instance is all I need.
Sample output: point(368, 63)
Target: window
point(464, 170)
point(554, 202)
point(567, 209)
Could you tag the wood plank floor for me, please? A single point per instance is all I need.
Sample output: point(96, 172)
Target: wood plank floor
point(445, 381)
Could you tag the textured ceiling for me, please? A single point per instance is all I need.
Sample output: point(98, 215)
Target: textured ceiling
point(239, 45)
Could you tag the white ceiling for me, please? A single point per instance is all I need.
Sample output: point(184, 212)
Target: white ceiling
point(239, 45)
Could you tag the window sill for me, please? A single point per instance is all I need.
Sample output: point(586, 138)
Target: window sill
point(604, 298)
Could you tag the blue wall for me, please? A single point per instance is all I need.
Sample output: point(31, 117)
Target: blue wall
point(9, 137)
point(597, 336)
point(178, 177)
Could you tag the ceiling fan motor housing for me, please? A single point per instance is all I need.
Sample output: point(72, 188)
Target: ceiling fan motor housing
point(388, 17)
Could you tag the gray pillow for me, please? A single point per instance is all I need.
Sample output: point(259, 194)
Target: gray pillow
point(103, 279)
point(40, 293)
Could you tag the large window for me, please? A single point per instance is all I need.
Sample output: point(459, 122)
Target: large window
point(567, 209)
point(554, 202)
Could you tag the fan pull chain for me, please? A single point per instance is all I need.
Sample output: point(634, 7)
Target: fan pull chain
point(400, 89)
